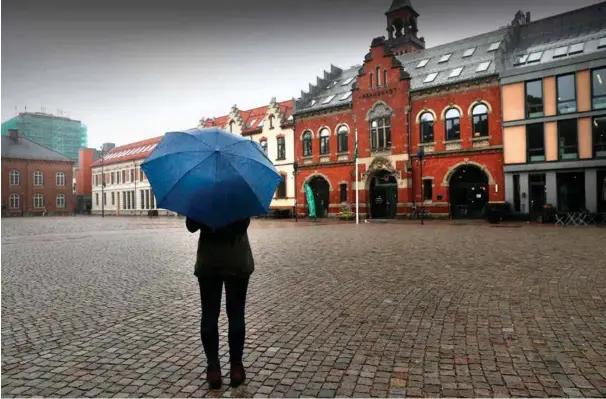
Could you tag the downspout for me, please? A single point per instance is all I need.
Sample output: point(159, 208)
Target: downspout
point(411, 189)
point(135, 175)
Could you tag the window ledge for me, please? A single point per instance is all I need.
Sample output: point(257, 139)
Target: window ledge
point(480, 138)
point(343, 153)
point(308, 156)
point(375, 150)
point(427, 144)
point(452, 141)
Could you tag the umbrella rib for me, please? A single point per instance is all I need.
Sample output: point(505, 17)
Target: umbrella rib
point(185, 174)
point(252, 159)
point(246, 181)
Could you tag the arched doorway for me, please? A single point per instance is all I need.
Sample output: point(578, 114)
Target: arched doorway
point(321, 189)
point(468, 192)
point(383, 195)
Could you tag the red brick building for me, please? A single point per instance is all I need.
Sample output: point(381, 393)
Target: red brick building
point(35, 180)
point(445, 100)
point(83, 185)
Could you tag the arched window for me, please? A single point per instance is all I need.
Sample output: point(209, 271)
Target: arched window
point(307, 149)
point(385, 77)
point(271, 121)
point(371, 77)
point(38, 178)
point(14, 201)
point(378, 76)
point(14, 177)
point(342, 139)
point(453, 124)
point(60, 179)
point(324, 141)
point(281, 148)
point(38, 201)
point(380, 133)
point(427, 127)
point(264, 146)
point(480, 120)
point(61, 201)
point(231, 126)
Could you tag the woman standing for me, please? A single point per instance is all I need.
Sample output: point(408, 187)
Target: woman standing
point(224, 256)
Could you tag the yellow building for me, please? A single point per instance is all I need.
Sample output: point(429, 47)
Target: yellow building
point(553, 78)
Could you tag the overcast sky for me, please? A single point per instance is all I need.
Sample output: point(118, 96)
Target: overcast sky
point(134, 69)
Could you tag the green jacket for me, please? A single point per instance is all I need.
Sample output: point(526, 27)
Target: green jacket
point(225, 252)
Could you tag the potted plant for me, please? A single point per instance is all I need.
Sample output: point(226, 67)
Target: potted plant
point(345, 213)
point(548, 213)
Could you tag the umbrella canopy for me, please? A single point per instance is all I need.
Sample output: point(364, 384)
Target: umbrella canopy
point(211, 175)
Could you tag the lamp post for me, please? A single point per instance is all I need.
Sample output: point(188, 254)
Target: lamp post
point(295, 171)
point(420, 155)
point(102, 183)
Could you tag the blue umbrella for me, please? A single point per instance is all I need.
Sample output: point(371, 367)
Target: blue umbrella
point(211, 175)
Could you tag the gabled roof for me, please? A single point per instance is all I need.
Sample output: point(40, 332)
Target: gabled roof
point(129, 152)
point(559, 37)
point(253, 119)
point(468, 54)
point(24, 148)
point(331, 91)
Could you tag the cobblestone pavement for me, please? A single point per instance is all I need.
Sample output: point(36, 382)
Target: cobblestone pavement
point(110, 307)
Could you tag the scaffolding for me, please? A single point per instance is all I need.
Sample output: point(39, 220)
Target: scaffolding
point(61, 134)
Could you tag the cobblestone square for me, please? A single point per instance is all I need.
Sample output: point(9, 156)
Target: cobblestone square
point(110, 308)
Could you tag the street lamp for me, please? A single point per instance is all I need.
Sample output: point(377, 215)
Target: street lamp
point(295, 171)
point(102, 183)
point(420, 161)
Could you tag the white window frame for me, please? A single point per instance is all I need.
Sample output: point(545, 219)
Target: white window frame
point(38, 197)
point(58, 203)
point(14, 177)
point(38, 176)
point(60, 179)
point(14, 198)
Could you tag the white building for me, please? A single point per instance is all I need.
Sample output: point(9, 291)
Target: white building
point(272, 127)
point(127, 190)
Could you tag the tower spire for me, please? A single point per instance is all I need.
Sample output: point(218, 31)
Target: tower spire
point(402, 27)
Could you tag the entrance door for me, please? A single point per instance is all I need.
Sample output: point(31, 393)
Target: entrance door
point(538, 197)
point(321, 189)
point(468, 192)
point(383, 196)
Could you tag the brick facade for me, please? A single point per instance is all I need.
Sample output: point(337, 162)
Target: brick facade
point(442, 157)
point(26, 190)
point(396, 87)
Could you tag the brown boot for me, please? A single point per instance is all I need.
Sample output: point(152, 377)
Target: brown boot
point(237, 374)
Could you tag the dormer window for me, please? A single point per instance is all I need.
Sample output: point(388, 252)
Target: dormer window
point(494, 46)
point(422, 63)
point(444, 58)
point(469, 52)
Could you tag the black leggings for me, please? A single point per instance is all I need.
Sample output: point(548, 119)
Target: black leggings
point(211, 289)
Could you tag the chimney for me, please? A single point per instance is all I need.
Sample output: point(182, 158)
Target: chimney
point(14, 135)
point(528, 17)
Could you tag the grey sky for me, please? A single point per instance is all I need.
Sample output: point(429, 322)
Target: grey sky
point(133, 69)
